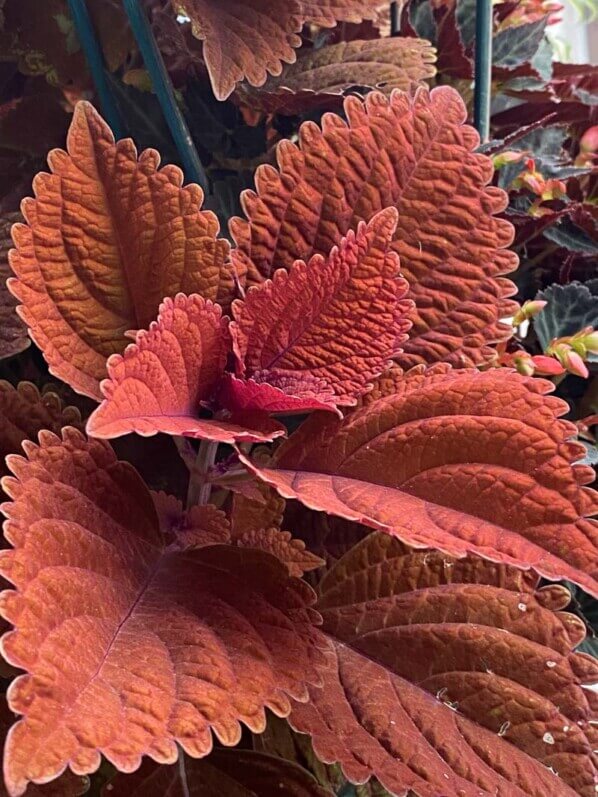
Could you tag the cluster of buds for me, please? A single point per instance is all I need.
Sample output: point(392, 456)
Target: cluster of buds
point(525, 363)
point(528, 364)
point(563, 355)
point(545, 190)
point(573, 351)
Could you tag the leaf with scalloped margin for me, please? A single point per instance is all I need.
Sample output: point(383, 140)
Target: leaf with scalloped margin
point(226, 773)
point(321, 76)
point(489, 701)
point(161, 380)
point(130, 645)
point(463, 461)
point(200, 525)
point(207, 525)
point(24, 412)
point(334, 321)
point(13, 333)
point(416, 154)
point(68, 785)
point(247, 39)
point(281, 544)
point(262, 512)
point(108, 236)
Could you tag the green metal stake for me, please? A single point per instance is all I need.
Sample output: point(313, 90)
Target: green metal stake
point(95, 60)
point(394, 18)
point(194, 171)
point(483, 67)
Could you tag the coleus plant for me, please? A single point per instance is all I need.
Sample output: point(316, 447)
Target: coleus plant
point(367, 290)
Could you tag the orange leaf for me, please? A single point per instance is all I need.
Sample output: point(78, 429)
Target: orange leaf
point(108, 236)
point(334, 322)
point(320, 76)
point(161, 381)
point(249, 39)
point(462, 461)
point(416, 154)
point(130, 647)
point(489, 698)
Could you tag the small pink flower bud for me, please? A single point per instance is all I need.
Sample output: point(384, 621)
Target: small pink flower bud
point(571, 360)
point(547, 366)
point(528, 310)
point(510, 156)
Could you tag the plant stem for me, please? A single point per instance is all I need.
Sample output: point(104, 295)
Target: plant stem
point(95, 61)
point(162, 85)
point(199, 488)
point(183, 774)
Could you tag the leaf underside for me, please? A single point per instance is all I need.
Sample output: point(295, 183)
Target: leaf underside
point(320, 76)
point(249, 39)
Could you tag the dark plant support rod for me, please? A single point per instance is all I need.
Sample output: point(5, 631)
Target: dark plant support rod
point(483, 67)
point(194, 171)
point(93, 54)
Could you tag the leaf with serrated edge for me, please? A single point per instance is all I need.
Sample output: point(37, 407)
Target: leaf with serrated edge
point(417, 154)
point(320, 76)
point(131, 647)
point(161, 380)
point(249, 39)
point(489, 699)
point(108, 236)
point(463, 461)
point(333, 323)
point(24, 412)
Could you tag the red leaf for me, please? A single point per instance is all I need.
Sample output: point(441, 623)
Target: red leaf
point(129, 646)
point(13, 333)
point(320, 76)
point(335, 322)
point(107, 237)
point(292, 552)
point(414, 153)
point(201, 525)
point(462, 461)
point(226, 773)
point(161, 381)
point(291, 395)
point(248, 514)
point(248, 40)
point(489, 699)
